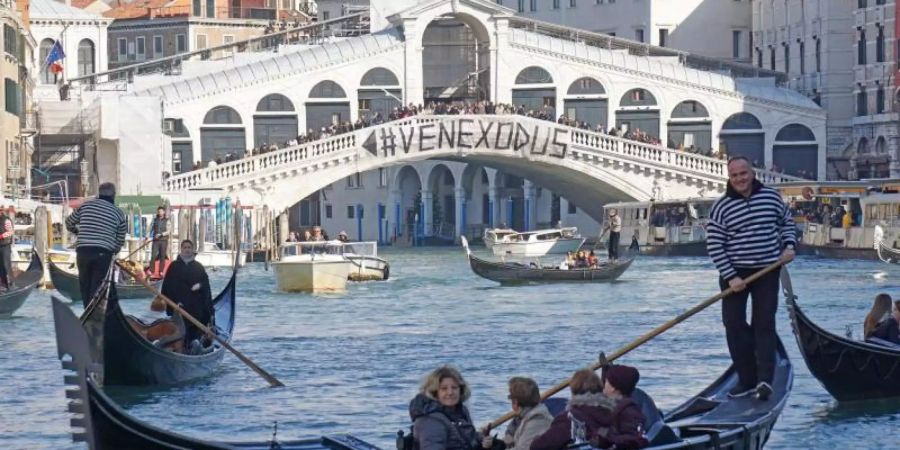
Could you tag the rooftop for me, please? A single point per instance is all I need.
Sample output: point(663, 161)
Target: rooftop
point(51, 9)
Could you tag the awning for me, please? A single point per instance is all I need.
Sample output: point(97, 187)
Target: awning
point(146, 203)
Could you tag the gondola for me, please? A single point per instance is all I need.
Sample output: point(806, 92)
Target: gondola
point(104, 425)
point(21, 287)
point(885, 253)
point(67, 284)
point(129, 359)
point(519, 273)
point(849, 370)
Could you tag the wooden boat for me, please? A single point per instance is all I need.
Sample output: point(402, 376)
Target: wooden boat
point(21, 287)
point(884, 252)
point(67, 284)
point(848, 369)
point(130, 359)
point(555, 241)
point(518, 273)
point(103, 425)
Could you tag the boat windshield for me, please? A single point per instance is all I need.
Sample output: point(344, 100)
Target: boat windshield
point(329, 248)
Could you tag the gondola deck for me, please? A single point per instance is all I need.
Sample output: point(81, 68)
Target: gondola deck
point(22, 286)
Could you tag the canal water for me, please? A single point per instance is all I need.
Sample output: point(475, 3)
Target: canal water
point(352, 362)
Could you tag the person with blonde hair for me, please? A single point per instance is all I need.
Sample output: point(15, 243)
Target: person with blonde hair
point(532, 417)
point(880, 312)
point(440, 419)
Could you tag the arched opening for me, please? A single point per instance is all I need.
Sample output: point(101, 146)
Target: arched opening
point(476, 209)
point(872, 162)
point(327, 105)
point(442, 186)
point(690, 128)
point(586, 102)
point(456, 60)
point(275, 121)
point(535, 92)
point(222, 136)
point(86, 57)
point(47, 77)
point(796, 152)
point(742, 135)
point(408, 209)
point(379, 94)
point(182, 146)
point(638, 112)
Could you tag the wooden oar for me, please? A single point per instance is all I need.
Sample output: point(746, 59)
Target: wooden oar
point(268, 377)
point(647, 337)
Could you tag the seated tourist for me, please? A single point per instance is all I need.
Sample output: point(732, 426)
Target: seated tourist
point(592, 259)
point(531, 419)
point(441, 421)
point(627, 420)
point(889, 330)
point(880, 312)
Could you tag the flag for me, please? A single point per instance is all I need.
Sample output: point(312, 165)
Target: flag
point(55, 58)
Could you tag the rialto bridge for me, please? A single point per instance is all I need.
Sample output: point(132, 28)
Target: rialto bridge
point(427, 52)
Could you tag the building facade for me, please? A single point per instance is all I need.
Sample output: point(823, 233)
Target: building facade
point(17, 117)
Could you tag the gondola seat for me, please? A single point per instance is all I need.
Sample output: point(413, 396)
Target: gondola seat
point(883, 343)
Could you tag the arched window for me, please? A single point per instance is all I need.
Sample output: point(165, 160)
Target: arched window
point(222, 115)
point(796, 151)
point(47, 77)
point(275, 102)
point(534, 75)
point(86, 57)
point(379, 76)
point(586, 86)
point(862, 147)
point(795, 133)
point(689, 109)
point(638, 97)
point(742, 121)
point(327, 89)
point(880, 146)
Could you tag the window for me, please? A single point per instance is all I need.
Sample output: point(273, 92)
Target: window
point(350, 211)
point(759, 57)
point(210, 8)
point(572, 209)
point(555, 4)
point(328, 211)
point(140, 48)
point(663, 37)
point(85, 57)
point(157, 46)
point(879, 45)
point(736, 44)
point(354, 181)
point(573, 3)
point(861, 48)
point(861, 102)
point(10, 40)
point(382, 177)
point(787, 57)
point(47, 77)
point(180, 43)
point(201, 41)
point(639, 35)
point(13, 97)
point(176, 162)
point(533, 5)
point(772, 58)
point(879, 100)
point(123, 48)
point(818, 55)
point(196, 9)
point(326, 15)
point(802, 58)
point(228, 39)
point(861, 3)
point(521, 6)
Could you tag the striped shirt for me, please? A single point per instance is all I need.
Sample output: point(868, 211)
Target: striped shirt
point(748, 232)
point(98, 223)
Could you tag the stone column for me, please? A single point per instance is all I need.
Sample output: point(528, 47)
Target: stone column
point(283, 225)
point(530, 202)
point(460, 196)
point(494, 206)
point(427, 211)
point(393, 214)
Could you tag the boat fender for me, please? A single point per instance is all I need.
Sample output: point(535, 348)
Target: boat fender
point(387, 272)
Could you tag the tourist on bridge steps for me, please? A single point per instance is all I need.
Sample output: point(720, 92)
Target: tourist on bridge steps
point(101, 227)
point(750, 227)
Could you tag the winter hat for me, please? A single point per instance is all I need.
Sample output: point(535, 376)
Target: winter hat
point(623, 378)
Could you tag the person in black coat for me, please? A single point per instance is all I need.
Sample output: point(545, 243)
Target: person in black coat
point(889, 330)
point(187, 283)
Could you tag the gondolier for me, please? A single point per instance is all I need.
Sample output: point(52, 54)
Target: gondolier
point(101, 227)
point(7, 230)
point(159, 252)
point(750, 228)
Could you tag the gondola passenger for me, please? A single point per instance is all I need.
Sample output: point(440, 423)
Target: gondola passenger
point(187, 283)
point(532, 418)
point(441, 421)
point(880, 312)
point(889, 330)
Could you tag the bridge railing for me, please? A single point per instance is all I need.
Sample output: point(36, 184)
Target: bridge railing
point(602, 144)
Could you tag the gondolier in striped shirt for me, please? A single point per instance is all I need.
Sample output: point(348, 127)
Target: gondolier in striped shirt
point(7, 231)
point(101, 227)
point(750, 228)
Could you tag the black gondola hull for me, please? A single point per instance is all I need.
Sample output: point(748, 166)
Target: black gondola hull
point(685, 249)
point(22, 286)
point(67, 284)
point(506, 273)
point(849, 370)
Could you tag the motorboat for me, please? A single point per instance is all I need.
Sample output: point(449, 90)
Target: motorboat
point(366, 265)
point(312, 267)
point(551, 241)
point(211, 255)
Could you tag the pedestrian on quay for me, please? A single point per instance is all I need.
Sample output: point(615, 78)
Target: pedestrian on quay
point(750, 228)
point(7, 231)
point(101, 227)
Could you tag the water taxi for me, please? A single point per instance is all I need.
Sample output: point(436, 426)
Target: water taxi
point(213, 255)
point(553, 241)
point(665, 227)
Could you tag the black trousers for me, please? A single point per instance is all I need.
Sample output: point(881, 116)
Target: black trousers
point(614, 244)
point(93, 265)
point(752, 346)
point(159, 250)
point(6, 273)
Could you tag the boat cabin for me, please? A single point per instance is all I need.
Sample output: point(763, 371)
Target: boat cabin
point(665, 221)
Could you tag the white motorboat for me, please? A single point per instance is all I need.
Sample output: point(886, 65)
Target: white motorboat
point(312, 267)
point(21, 256)
point(211, 255)
point(366, 265)
point(554, 241)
